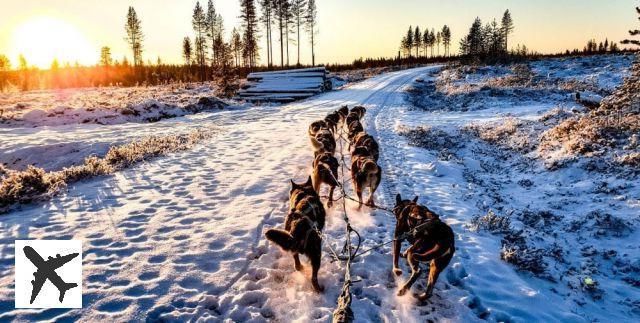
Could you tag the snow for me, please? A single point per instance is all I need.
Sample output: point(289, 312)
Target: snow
point(107, 106)
point(181, 237)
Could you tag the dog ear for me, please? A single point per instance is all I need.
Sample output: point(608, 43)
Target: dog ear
point(293, 184)
point(415, 199)
point(398, 198)
point(309, 182)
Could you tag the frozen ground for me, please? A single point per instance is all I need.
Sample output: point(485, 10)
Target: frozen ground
point(108, 105)
point(181, 237)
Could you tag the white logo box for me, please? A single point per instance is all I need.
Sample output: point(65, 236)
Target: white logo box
point(70, 273)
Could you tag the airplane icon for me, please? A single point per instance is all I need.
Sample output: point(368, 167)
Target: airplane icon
point(47, 270)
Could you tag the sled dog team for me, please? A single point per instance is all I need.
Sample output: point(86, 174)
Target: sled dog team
point(431, 240)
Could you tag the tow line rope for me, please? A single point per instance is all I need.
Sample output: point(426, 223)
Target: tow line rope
point(343, 312)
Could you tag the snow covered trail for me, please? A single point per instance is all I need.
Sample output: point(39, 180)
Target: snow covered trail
point(169, 235)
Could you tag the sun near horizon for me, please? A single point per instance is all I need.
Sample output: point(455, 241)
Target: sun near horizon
point(41, 39)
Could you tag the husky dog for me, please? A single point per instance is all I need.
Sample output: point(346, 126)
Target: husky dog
point(434, 244)
point(332, 120)
point(351, 117)
point(359, 110)
point(363, 139)
point(325, 171)
point(326, 142)
point(343, 112)
point(303, 224)
point(365, 173)
point(354, 128)
point(315, 128)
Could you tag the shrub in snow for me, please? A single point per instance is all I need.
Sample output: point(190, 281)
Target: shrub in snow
point(491, 222)
point(429, 138)
point(32, 184)
point(29, 185)
point(525, 259)
point(509, 133)
point(601, 224)
point(607, 128)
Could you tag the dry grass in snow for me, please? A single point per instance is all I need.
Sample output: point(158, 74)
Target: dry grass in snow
point(35, 184)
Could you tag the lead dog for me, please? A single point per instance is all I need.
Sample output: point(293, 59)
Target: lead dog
point(325, 171)
point(300, 235)
point(435, 244)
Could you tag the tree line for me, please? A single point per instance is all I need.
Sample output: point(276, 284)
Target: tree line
point(207, 53)
point(425, 42)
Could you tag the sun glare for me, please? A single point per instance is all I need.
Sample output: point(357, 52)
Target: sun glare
point(42, 39)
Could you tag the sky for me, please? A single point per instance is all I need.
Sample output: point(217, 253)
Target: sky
point(72, 30)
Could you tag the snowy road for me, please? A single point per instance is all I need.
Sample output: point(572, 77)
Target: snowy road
point(181, 236)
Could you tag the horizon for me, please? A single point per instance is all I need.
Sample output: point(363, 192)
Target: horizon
point(72, 31)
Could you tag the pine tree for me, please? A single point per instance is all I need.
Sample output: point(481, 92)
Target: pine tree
point(288, 20)
point(266, 18)
point(426, 39)
point(236, 46)
point(281, 16)
point(105, 56)
point(214, 26)
point(432, 40)
point(298, 10)
point(187, 51)
point(438, 41)
point(250, 31)
point(134, 36)
point(507, 28)
point(417, 39)
point(409, 41)
point(606, 44)
point(634, 32)
point(311, 22)
point(446, 39)
point(199, 23)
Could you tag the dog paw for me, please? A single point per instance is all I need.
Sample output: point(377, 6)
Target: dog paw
point(329, 204)
point(397, 271)
point(423, 297)
point(318, 288)
point(403, 254)
point(299, 267)
point(402, 291)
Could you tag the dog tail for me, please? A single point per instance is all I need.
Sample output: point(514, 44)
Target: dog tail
point(281, 238)
point(369, 167)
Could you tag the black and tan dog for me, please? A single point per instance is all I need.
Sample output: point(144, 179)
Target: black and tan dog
point(354, 128)
point(332, 119)
point(314, 128)
point(365, 173)
point(326, 142)
point(359, 110)
point(363, 139)
point(343, 112)
point(434, 244)
point(325, 171)
point(351, 117)
point(300, 234)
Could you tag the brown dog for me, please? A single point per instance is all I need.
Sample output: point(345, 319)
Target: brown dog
point(434, 244)
point(354, 128)
point(332, 120)
point(351, 117)
point(300, 234)
point(326, 142)
point(365, 173)
point(343, 112)
point(325, 171)
point(363, 139)
point(359, 110)
point(314, 128)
